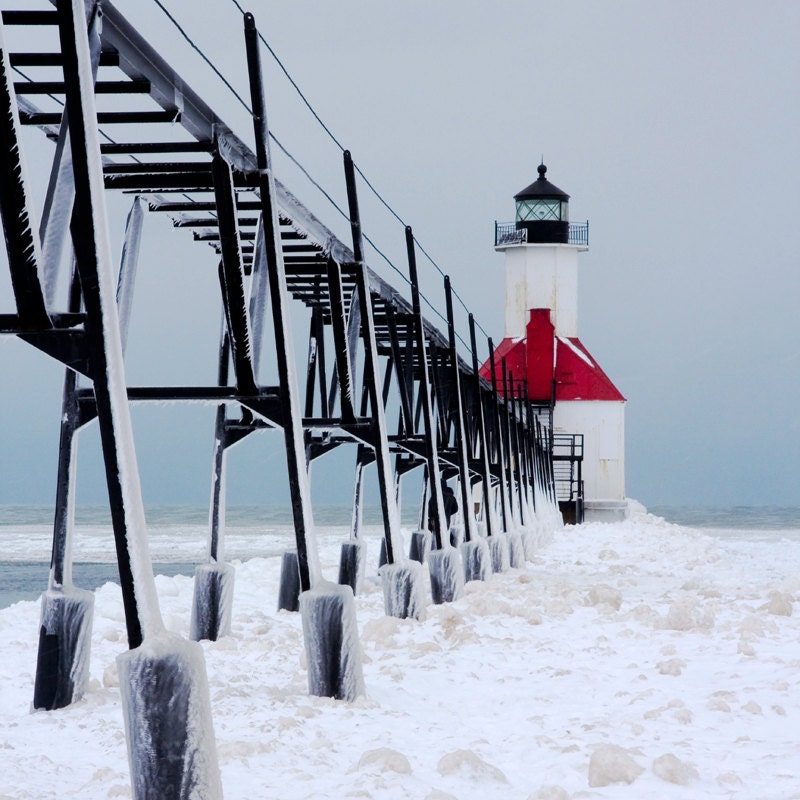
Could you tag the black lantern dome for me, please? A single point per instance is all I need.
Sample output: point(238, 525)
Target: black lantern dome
point(543, 211)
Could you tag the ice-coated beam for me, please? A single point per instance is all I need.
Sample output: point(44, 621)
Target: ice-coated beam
point(344, 371)
point(165, 701)
point(308, 562)
point(60, 196)
point(16, 209)
point(129, 266)
point(233, 274)
point(391, 516)
point(470, 530)
point(93, 255)
point(500, 443)
point(480, 399)
point(431, 448)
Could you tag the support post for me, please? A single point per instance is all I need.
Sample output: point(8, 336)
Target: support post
point(507, 444)
point(330, 631)
point(482, 437)
point(502, 451)
point(65, 633)
point(474, 550)
point(391, 517)
point(165, 693)
point(232, 274)
point(212, 601)
point(446, 575)
point(308, 562)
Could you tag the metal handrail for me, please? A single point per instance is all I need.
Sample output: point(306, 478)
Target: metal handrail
point(507, 233)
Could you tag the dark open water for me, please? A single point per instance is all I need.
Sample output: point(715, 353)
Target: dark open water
point(25, 580)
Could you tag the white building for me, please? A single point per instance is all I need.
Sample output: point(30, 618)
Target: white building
point(541, 345)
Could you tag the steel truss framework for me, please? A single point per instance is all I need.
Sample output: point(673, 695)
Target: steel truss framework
point(271, 248)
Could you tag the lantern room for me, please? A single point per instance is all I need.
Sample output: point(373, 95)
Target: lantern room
point(543, 211)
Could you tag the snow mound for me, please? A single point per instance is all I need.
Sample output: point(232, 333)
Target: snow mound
point(674, 666)
point(780, 604)
point(671, 769)
point(384, 759)
point(687, 614)
point(612, 764)
point(603, 595)
point(550, 793)
point(469, 764)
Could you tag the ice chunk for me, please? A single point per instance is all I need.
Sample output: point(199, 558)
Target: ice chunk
point(384, 759)
point(671, 769)
point(602, 594)
point(612, 764)
point(470, 764)
point(550, 793)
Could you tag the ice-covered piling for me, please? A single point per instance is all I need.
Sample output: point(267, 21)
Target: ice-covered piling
point(65, 635)
point(500, 549)
point(420, 547)
point(212, 602)
point(289, 589)
point(403, 589)
point(171, 747)
point(517, 549)
point(331, 639)
point(382, 557)
point(476, 559)
point(447, 577)
point(352, 565)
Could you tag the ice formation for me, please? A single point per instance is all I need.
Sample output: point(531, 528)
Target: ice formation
point(330, 633)
point(170, 736)
point(404, 589)
point(499, 549)
point(477, 560)
point(447, 576)
point(65, 639)
point(212, 602)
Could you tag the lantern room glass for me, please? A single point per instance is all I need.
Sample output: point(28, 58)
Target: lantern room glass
point(542, 210)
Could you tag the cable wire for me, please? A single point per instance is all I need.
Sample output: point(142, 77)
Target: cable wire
point(333, 138)
point(358, 169)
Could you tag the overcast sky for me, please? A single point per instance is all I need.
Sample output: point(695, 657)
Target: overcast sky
point(674, 128)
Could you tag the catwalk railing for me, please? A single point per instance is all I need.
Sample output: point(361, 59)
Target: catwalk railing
point(507, 233)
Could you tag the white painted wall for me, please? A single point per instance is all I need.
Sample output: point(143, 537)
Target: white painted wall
point(541, 276)
point(602, 423)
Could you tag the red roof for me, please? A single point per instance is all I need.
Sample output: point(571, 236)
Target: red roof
point(577, 375)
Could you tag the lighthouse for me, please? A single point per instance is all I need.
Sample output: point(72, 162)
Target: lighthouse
point(549, 362)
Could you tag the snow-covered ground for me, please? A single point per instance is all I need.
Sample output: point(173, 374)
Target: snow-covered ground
point(631, 660)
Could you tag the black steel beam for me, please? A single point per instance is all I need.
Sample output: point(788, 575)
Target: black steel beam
point(284, 347)
point(93, 262)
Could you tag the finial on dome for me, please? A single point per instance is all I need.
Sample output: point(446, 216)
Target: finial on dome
point(542, 170)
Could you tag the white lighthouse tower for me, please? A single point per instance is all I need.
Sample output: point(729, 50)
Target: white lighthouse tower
point(541, 347)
